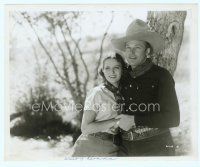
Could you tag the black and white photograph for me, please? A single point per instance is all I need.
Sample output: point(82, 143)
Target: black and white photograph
point(101, 81)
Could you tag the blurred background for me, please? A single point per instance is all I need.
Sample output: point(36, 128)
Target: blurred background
point(54, 59)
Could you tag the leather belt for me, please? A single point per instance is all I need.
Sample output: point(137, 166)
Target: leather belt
point(141, 133)
point(103, 135)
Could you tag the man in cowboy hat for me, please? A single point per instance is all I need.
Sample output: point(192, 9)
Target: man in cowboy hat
point(151, 105)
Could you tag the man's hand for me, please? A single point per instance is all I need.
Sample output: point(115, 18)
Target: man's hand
point(126, 122)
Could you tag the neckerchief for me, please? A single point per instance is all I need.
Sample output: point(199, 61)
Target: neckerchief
point(117, 140)
point(141, 69)
point(117, 94)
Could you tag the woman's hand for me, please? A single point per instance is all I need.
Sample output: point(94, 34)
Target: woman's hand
point(126, 122)
point(115, 127)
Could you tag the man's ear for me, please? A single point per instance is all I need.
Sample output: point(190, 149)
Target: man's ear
point(148, 50)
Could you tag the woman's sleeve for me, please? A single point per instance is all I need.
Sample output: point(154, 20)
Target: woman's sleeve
point(92, 101)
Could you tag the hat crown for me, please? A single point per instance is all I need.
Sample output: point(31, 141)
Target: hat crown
point(135, 26)
point(139, 30)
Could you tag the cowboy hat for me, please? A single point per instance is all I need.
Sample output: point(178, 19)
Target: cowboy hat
point(139, 30)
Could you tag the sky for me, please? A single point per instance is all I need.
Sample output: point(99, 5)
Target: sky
point(93, 24)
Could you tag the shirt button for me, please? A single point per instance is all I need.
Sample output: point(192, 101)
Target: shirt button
point(130, 86)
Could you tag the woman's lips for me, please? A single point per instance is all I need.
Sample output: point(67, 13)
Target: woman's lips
point(132, 58)
point(112, 76)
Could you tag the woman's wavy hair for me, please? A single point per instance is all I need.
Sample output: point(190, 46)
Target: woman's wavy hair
point(119, 59)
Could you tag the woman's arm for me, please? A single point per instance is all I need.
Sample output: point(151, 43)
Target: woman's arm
point(89, 126)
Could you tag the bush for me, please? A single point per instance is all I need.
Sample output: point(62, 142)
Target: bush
point(39, 116)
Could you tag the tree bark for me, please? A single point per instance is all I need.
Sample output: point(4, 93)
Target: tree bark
point(170, 25)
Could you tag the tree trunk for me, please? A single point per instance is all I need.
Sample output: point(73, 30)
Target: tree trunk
point(171, 27)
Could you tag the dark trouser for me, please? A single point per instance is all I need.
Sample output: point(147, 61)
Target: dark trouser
point(160, 145)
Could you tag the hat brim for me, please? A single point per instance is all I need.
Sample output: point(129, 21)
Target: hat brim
point(153, 38)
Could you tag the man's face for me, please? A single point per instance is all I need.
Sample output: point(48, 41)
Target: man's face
point(135, 53)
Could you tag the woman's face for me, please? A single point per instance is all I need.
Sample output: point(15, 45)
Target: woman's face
point(112, 71)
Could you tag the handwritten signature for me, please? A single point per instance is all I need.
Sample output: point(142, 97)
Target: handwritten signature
point(90, 158)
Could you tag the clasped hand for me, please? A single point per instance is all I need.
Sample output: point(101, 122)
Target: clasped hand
point(125, 122)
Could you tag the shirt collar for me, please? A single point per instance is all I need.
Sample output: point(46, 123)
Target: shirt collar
point(141, 69)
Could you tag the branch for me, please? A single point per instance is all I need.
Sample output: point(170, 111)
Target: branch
point(51, 59)
point(64, 65)
point(82, 60)
point(71, 88)
point(36, 57)
point(101, 46)
point(74, 64)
